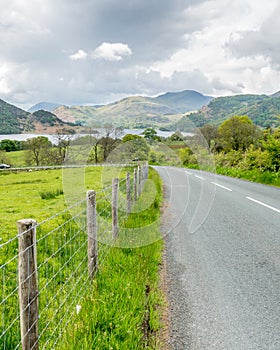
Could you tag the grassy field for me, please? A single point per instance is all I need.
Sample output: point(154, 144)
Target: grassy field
point(120, 309)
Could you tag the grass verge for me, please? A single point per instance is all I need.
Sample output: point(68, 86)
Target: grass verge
point(122, 307)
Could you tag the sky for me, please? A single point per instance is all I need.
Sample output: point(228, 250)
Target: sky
point(77, 52)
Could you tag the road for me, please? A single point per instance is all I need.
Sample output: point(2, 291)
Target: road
point(223, 261)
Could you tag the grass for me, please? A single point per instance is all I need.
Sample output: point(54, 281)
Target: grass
point(120, 308)
point(122, 311)
point(255, 175)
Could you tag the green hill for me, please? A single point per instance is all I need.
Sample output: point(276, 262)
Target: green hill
point(129, 112)
point(262, 109)
point(14, 120)
point(46, 118)
point(136, 111)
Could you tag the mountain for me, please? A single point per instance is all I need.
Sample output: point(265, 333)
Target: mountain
point(183, 101)
point(14, 120)
point(276, 94)
point(46, 106)
point(264, 111)
point(136, 111)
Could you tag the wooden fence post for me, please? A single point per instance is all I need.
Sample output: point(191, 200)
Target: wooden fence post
point(115, 223)
point(92, 234)
point(139, 181)
point(128, 194)
point(28, 284)
point(135, 184)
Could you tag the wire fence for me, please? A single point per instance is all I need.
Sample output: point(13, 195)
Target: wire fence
point(48, 267)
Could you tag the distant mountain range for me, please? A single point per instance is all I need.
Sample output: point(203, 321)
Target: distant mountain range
point(169, 111)
point(136, 111)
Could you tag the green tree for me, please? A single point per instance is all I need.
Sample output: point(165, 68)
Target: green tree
point(237, 133)
point(177, 136)
point(38, 150)
point(135, 146)
point(210, 134)
point(9, 145)
point(272, 145)
point(150, 135)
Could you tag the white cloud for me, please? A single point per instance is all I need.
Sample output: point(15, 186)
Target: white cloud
point(111, 51)
point(79, 55)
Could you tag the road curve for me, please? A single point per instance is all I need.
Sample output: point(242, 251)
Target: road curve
point(223, 261)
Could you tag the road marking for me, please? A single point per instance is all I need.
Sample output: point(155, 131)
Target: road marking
point(264, 204)
point(224, 187)
point(199, 177)
point(187, 172)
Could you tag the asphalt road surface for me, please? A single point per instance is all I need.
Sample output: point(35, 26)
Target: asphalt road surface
point(223, 262)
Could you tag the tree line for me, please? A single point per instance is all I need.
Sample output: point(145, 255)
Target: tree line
point(238, 143)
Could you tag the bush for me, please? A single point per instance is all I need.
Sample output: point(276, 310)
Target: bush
point(51, 194)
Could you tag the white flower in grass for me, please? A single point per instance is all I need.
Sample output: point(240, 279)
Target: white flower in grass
point(78, 308)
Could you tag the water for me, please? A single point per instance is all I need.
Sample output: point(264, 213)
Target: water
point(53, 138)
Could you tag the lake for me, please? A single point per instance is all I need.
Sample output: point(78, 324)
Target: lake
point(53, 138)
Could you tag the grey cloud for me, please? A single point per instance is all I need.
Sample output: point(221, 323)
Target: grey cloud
point(39, 37)
point(263, 42)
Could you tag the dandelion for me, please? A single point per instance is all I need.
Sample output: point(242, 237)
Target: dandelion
point(78, 308)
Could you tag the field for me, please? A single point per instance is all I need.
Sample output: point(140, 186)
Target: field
point(120, 309)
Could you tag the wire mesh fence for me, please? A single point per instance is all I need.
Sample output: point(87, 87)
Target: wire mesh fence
point(39, 303)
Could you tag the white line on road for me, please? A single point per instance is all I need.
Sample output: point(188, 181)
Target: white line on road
point(199, 177)
point(225, 188)
point(264, 204)
point(187, 172)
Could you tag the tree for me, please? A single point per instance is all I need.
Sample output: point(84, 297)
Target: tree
point(135, 146)
point(237, 133)
point(210, 134)
point(63, 139)
point(9, 145)
point(38, 150)
point(150, 135)
point(177, 136)
point(272, 145)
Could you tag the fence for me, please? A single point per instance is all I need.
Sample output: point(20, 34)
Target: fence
point(48, 268)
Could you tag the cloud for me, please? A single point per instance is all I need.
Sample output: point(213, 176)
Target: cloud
point(264, 41)
point(214, 46)
point(79, 55)
point(111, 52)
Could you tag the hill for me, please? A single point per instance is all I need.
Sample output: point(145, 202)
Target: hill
point(264, 111)
point(136, 111)
point(183, 101)
point(14, 120)
point(46, 106)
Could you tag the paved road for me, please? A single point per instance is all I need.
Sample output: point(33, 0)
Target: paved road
point(223, 262)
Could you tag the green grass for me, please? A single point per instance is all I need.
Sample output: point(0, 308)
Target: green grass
point(120, 309)
point(255, 175)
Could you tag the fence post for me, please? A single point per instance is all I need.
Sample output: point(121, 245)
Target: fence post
point(115, 223)
point(135, 184)
point(28, 284)
point(92, 234)
point(139, 181)
point(128, 194)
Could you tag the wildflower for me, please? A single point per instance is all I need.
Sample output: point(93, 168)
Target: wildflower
point(78, 308)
